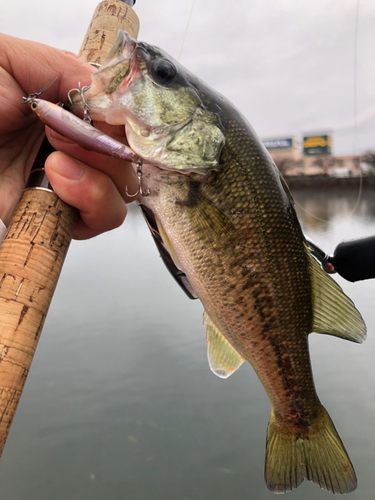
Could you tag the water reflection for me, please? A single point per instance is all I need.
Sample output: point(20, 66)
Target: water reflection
point(120, 402)
point(317, 210)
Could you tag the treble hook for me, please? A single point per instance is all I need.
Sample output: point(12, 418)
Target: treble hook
point(140, 190)
point(86, 107)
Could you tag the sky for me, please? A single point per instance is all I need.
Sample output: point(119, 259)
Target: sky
point(290, 67)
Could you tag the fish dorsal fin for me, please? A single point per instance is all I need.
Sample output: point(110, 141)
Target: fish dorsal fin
point(222, 357)
point(334, 313)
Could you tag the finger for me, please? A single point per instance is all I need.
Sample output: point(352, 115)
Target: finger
point(93, 193)
point(121, 172)
point(33, 65)
point(14, 116)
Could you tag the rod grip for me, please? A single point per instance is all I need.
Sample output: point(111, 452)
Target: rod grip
point(31, 257)
point(37, 240)
point(109, 17)
point(355, 260)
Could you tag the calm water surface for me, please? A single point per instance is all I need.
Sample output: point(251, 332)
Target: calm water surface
point(120, 402)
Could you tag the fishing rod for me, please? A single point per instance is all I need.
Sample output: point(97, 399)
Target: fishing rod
point(353, 260)
point(38, 237)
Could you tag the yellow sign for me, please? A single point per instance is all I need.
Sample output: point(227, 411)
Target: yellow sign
point(317, 144)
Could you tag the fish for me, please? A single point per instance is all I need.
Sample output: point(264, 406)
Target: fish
point(225, 218)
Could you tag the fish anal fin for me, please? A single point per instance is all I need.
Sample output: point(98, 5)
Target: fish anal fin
point(318, 456)
point(334, 313)
point(223, 359)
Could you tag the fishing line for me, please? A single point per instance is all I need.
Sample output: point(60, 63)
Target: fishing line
point(355, 82)
point(308, 213)
point(48, 85)
point(74, 72)
point(186, 30)
point(355, 111)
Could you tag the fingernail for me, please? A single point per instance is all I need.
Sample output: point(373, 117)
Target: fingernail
point(67, 167)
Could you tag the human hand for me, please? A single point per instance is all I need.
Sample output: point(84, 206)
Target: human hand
point(93, 183)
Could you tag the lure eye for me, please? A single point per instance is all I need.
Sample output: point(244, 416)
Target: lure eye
point(33, 106)
point(164, 71)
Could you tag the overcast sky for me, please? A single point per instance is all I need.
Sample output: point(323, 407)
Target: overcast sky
point(289, 66)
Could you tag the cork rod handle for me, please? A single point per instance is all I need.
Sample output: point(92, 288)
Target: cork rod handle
point(37, 240)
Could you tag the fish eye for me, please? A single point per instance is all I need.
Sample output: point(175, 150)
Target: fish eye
point(163, 70)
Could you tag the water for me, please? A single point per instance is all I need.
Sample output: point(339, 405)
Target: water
point(120, 402)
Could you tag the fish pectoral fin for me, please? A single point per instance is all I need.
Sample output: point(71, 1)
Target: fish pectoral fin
point(167, 251)
point(205, 215)
point(223, 359)
point(167, 243)
point(172, 262)
point(333, 312)
point(317, 455)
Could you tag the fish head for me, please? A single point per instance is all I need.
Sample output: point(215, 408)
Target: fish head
point(166, 120)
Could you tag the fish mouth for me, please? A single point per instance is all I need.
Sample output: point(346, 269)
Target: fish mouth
point(119, 69)
point(118, 64)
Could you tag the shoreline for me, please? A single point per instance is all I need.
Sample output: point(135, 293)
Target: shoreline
point(327, 182)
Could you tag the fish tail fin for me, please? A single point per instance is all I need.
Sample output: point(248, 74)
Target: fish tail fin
point(317, 455)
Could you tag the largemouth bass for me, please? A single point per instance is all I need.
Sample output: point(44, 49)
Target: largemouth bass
point(225, 216)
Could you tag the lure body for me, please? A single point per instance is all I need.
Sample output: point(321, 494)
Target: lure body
point(80, 131)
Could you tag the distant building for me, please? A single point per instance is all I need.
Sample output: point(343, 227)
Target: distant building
point(283, 147)
point(313, 158)
point(279, 143)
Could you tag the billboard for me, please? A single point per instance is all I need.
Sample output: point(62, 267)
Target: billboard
point(317, 144)
point(279, 144)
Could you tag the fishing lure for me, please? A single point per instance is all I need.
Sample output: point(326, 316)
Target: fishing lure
point(79, 131)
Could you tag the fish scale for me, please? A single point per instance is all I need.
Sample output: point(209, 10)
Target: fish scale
point(267, 284)
point(226, 218)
